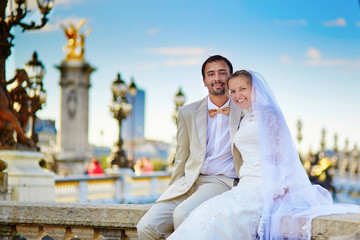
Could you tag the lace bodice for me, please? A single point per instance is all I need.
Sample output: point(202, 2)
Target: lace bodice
point(246, 140)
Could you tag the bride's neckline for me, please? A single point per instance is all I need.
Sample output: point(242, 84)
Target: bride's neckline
point(248, 110)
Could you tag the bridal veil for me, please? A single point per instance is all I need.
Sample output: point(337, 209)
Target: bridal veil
point(290, 200)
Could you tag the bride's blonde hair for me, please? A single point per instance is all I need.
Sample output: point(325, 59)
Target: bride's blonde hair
point(241, 73)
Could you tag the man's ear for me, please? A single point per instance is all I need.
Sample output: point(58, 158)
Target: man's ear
point(204, 82)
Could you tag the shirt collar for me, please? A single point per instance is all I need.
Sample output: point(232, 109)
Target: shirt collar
point(211, 105)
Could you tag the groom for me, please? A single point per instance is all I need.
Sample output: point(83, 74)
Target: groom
point(206, 162)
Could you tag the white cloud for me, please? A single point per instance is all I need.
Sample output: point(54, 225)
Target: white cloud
point(184, 62)
point(339, 22)
point(315, 59)
point(180, 56)
point(33, 6)
point(178, 51)
point(49, 27)
point(357, 63)
point(152, 31)
point(67, 3)
point(285, 59)
point(313, 53)
point(291, 22)
point(327, 62)
point(35, 15)
point(357, 24)
point(147, 66)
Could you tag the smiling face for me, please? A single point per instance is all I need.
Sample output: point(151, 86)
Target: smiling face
point(240, 91)
point(215, 77)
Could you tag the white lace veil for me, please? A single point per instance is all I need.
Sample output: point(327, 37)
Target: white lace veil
point(286, 188)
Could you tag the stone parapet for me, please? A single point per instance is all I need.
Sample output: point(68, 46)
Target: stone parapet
point(340, 225)
point(66, 220)
point(115, 221)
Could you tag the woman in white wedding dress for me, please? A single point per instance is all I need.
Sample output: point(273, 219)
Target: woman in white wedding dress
point(272, 183)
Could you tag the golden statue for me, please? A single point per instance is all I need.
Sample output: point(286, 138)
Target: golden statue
point(76, 41)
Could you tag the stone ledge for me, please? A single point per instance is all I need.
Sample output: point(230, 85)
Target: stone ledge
point(335, 225)
point(126, 216)
point(72, 214)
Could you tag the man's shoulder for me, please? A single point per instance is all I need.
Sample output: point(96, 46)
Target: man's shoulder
point(192, 106)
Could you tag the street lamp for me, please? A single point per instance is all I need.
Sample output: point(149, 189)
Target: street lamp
point(15, 18)
point(17, 12)
point(132, 88)
point(323, 141)
point(179, 100)
point(299, 136)
point(121, 109)
point(132, 92)
point(37, 95)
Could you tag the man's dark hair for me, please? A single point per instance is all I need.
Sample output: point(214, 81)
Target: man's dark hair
point(216, 58)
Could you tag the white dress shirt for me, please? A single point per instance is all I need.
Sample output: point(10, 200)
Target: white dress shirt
point(218, 158)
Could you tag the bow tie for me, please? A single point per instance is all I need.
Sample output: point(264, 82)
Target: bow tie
point(213, 112)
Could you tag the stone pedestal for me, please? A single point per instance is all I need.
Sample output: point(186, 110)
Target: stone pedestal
point(72, 138)
point(27, 181)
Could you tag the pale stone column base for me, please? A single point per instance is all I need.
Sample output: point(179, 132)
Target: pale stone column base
point(27, 181)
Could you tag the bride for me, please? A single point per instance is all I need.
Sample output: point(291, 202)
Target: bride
point(273, 182)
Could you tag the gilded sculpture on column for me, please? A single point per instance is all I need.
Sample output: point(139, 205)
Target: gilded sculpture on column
point(76, 40)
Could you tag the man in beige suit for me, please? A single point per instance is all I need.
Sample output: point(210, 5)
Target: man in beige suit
point(207, 163)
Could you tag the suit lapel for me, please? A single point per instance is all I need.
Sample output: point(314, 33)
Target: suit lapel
point(200, 116)
point(234, 121)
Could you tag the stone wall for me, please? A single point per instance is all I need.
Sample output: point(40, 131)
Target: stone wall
point(115, 221)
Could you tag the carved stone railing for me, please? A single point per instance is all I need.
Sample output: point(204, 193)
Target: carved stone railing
point(347, 188)
point(116, 221)
point(68, 220)
point(115, 187)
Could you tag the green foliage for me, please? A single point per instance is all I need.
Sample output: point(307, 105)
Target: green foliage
point(103, 161)
point(159, 164)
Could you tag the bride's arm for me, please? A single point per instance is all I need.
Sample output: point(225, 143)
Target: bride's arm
point(276, 153)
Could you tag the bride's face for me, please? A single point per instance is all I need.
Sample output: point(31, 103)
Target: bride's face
point(240, 91)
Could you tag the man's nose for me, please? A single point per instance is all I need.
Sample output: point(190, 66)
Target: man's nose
point(218, 76)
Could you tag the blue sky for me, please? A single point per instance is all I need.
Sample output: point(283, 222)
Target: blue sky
point(309, 51)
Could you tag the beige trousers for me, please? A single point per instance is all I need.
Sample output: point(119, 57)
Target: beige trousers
point(165, 216)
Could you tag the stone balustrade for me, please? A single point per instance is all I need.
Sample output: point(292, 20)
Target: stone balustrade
point(117, 186)
point(34, 220)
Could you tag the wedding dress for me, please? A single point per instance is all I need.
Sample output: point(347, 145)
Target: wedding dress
point(234, 214)
point(273, 184)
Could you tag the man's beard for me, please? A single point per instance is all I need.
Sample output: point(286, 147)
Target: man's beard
point(218, 91)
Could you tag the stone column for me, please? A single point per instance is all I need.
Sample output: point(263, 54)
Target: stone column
point(74, 116)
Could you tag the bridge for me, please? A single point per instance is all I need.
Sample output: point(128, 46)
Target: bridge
point(79, 211)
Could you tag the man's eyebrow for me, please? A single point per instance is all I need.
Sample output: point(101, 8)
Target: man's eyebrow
point(219, 70)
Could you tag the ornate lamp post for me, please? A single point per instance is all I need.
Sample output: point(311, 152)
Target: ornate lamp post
point(17, 12)
point(15, 17)
point(132, 92)
point(336, 151)
point(121, 109)
point(179, 100)
point(323, 141)
point(36, 71)
point(299, 136)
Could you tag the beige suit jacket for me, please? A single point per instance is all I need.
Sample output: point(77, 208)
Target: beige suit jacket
point(191, 146)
